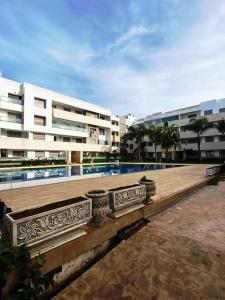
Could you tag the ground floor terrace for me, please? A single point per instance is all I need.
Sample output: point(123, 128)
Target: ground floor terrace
point(180, 254)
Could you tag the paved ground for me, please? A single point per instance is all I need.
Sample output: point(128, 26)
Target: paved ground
point(179, 255)
point(168, 181)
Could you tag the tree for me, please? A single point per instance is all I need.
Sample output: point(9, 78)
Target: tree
point(176, 141)
point(136, 133)
point(154, 134)
point(199, 126)
point(221, 126)
point(167, 136)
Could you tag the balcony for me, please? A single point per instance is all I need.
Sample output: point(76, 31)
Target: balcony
point(64, 124)
point(11, 123)
point(116, 138)
point(11, 100)
point(74, 117)
point(43, 145)
point(11, 119)
point(13, 104)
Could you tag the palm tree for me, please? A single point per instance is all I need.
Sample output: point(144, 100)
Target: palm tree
point(154, 134)
point(136, 133)
point(221, 126)
point(176, 141)
point(167, 136)
point(199, 126)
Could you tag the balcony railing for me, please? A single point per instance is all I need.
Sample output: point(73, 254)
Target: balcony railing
point(11, 100)
point(67, 125)
point(11, 119)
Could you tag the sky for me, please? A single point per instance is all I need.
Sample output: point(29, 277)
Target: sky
point(132, 56)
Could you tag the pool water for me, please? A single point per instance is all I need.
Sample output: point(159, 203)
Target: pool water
point(102, 169)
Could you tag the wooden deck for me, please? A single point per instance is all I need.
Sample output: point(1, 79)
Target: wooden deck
point(168, 181)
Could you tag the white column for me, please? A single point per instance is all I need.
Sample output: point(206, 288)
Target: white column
point(31, 154)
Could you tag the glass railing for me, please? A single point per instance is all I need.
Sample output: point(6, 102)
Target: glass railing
point(11, 119)
point(63, 124)
point(11, 100)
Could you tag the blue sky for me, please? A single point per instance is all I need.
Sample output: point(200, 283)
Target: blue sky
point(137, 56)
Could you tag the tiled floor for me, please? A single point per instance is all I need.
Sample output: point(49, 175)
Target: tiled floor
point(168, 181)
point(179, 255)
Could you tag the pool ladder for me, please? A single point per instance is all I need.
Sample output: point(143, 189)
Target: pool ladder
point(146, 166)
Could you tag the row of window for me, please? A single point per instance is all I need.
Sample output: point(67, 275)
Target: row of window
point(208, 139)
point(210, 111)
point(176, 117)
point(41, 136)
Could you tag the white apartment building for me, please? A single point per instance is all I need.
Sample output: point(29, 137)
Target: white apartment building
point(124, 123)
point(39, 123)
point(212, 142)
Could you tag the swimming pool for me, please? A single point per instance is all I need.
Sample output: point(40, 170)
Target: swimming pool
point(75, 172)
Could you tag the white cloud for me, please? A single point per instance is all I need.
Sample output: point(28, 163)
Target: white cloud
point(132, 33)
point(189, 71)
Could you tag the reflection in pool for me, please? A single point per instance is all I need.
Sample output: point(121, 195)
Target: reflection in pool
point(102, 169)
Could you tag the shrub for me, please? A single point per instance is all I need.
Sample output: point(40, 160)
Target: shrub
point(32, 283)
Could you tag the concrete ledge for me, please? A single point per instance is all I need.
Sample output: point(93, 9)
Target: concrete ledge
point(97, 236)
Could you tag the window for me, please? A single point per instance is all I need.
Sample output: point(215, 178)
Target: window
point(14, 118)
point(102, 131)
point(192, 116)
point(115, 123)
point(209, 139)
point(192, 141)
point(171, 118)
point(183, 141)
point(222, 138)
point(14, 96)
point(39, 154)
point(80, 112)
point(78, 140)
point(67, 109)
point(38, 120)
point(15, 134)
point(210, 153)
point(208, 112)
point(221, 110)
point(53, 154)
point(182, 129)
point(38, 136)
point(222, 153)
point(158, 121)
point(39, 102)
point(18, 153)
point(131, 146)
point(17, 99)
point(66, 139)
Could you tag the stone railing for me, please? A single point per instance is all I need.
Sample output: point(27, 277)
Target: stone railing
point(211, 171)
point(46, 227)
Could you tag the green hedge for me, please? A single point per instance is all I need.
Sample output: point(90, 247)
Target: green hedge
point(32, 162)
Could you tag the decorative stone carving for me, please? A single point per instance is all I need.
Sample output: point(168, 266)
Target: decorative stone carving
point(212, 171)
point(57, 221)
point(100, 206)
point(150, 189)
point(126, 199)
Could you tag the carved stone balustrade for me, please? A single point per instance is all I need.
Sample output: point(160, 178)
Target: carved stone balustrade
point(126, 199)
point(49, 226)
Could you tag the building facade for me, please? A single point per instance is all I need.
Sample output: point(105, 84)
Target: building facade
point(39, 123)
point(124, 123)
point(212, 141)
